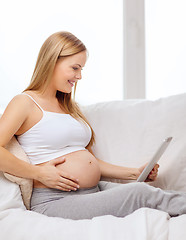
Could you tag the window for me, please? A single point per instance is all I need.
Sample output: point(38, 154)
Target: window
point(165, 48)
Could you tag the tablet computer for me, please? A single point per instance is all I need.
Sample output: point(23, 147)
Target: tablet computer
point(143, 176)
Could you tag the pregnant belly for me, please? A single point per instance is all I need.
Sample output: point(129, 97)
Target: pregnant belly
point(82, 165)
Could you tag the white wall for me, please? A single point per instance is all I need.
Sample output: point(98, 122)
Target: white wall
point(165, 47)
point(24, 25)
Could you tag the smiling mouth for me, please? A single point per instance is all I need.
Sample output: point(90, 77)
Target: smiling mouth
point(71, 83)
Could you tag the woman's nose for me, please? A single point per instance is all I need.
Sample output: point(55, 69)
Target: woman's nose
point(78, 75)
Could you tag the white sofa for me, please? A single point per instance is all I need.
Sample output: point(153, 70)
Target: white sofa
point(127, 133)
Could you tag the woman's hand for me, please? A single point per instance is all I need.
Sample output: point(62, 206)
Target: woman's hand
point(152, 175)
point(52, 177)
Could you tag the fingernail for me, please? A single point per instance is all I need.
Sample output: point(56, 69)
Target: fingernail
point(77, 186)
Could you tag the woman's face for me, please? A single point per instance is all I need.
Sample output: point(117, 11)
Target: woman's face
point(68, 71)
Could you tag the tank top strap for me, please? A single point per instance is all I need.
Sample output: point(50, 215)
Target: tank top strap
point(33, 100)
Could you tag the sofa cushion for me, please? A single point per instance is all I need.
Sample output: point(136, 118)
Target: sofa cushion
point(25, 184)
point(129, 132)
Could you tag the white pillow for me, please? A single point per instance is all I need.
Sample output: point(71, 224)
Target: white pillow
point(10, 195)
point(26, 185)
point(129, 132)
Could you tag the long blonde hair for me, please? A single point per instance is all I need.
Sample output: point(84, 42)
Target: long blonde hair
point(58, 45)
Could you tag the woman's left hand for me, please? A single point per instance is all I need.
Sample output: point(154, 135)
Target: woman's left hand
point(153, 174)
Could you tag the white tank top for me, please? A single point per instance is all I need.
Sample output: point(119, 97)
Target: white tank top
point(55, 135)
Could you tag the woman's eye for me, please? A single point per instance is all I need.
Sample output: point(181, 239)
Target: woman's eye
point(75, 68)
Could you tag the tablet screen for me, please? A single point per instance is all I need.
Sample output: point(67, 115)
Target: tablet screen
point(143, 176)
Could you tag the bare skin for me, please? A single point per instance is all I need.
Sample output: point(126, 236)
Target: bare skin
point(75, 170)
point(82, 165)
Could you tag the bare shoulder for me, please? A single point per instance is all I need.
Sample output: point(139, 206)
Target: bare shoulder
point(18, 105)
point(13, 117)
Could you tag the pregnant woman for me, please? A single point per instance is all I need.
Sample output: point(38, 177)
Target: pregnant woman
point(57, 138)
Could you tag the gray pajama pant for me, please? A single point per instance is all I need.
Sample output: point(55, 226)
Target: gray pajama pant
point(106, 199)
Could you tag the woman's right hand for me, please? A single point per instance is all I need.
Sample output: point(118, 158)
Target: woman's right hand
point(52, 177)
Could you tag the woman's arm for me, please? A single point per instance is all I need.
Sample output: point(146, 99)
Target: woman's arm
point(125, 173)
point(113, 171)
point(14, 116)
point(11, 164)
point(48, 174)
